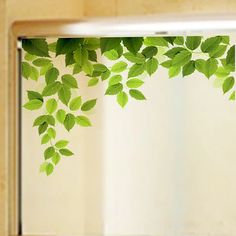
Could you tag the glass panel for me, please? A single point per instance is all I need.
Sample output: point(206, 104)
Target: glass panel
point(163, 164)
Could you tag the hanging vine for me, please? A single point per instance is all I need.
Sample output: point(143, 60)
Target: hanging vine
point(135, 56)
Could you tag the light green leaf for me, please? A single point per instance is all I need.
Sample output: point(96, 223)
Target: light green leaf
point(100, 67)
point(119, 67)
point(174, 71)
point(122, 99)
point(69, 121)
point(61, 115)
point(34, 73)
point(43, 167)
point(83, 121)
point(228, 84)
point(51, 120)
point(34, 95)
point(134, 83)
point(138, 58)
point(210, 67)
point(167, 64)
point(93, 81)
point(56, 158)
point(155, 41)
point(49, 152)
point(222, 72)
point(39, 120)
point(210, 44)
point(87, 67)
point(174, 51)
point(135, 70)
point(51, 133)
point(38, 47)
point(181, 58)
point(45, 139)
point(151, 66)
point(49, 169)
point(179, 40)
point(66, 152)
point(192, 42)
point(115, 79)
point(33, 104)
point(232, 96)
point(51, 75)
point(188, 68)
point(105, 75)
point(69, 81)
point(218, 51)
point(51, 105)
point(61, 143)
point(136, 94)
point(29, 57)
point(51, 89)
point(92, 43)
point(64, 94)
point(88, 105)
point(25, 69)
point(114, 89)
point(75, 103)
point(41, 62)
point(52, 47)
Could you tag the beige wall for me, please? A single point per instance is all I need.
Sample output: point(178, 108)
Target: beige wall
point(11, 10)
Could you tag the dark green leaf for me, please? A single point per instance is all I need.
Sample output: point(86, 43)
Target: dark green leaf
point(42, 128)
point(34, 95)
point(181, 58)
point(192, 42)
point(66, 152)
point(51, 75)
point(230, 58)
point(210, 44)
point(151, 66)
point(69, 59)
point(172, 52)
point(92, 55)
point(38, 47)
point(133, 44)
point(67, 45)
point(189, 68)
point(39, 120)
point(150, 51)
point(107, 44)
point(41, 62)
point(136, 69)
point(218, 51)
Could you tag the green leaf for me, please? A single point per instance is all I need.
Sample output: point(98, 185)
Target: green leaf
point(92, 43)
point(45, 139)
point(167, 64)
point(122, 99)
point(193, 42)
point(135, 70)
point(87, 67)
point(51, 105)
point(52, 47)
point(40, 62)
point(105, 75)
point(210, 44)
point(172, 52)
point(222, 72)
point(225, 39)
point(179, 40)
point(49, 169)
point(50, 120)
point(83, 121)
point(188, 68)
point(155, 41)
point(151, 66)
point(29, 57)
point(138, 58)
point(51, 75)
point(77, 68)
point(114, 89)
point(232, 96)
point(66, 152)
point(181, 58)
point(44, 69)
point(69, 121)
point(38, 47)
point(107, 44)
point(230, 58)
point(93, 81)
point(75, 103)
point(149, 51)
point(100, 67)
point(42, 128)
point(211, 66)
point(218, 51)
point(88, 105)
point(25, 69)
point(174, 71)
point(61, 143)
point(43, 167)
point(136, 94)
point(119, 67)
point(51, 89)
point(61, 115)
point(228, 84)
point(69, 81)
point(34, 95)
point(92, 56)
point(51, 133)
point(34, 74)
point(133, 44)
point(115, 79)
point(33, 104)
point(39, 120)
point(56, 158)
point(170, 39)
point(67, 45)
point(49, 152)
point(134, 83)
point(115, 53)
point(64, 94)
